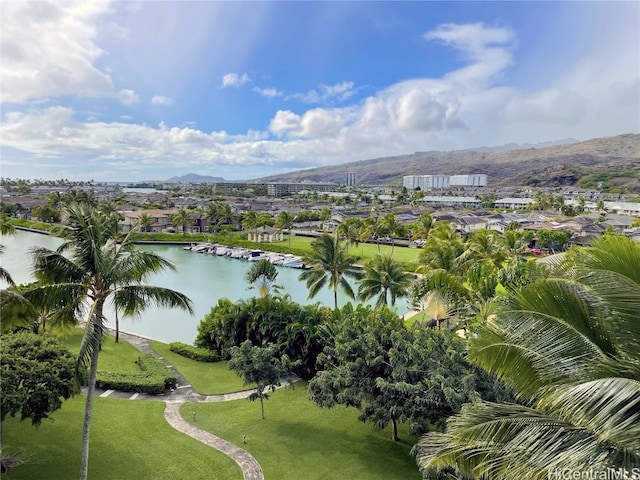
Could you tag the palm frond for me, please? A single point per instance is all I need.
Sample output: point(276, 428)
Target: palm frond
point(133, 299)
point(15, 311)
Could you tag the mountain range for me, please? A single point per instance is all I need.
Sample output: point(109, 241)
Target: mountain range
point(553, 165)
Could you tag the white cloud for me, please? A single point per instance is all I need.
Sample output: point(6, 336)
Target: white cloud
point(127, 97)
point(269, 92)
point(234, 80)
point(326, 93)
point(160, 100)
point(49, 50)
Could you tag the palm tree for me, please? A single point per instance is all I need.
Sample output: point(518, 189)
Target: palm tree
point(484, 246)
point(443, 250)
point(422, 227)
point(383, 276)
point(264, 273)
point(93, 272)
point(251, 222)
point(181, 219)
point(212, 214)
point(284, 221)
point(350, 231)
point(569, 345)
point(144, 222)
point(392, 227)
point(329, 264)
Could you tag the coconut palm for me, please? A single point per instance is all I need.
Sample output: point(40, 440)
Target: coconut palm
point(392, 228)
point(284, 221)
point(264, 273)
point(484, 246)
point(251, 222)
point(442, 250)
point(330, 264)
point(144, 222)
point(421, 228)
point(349, 230)
point(384, 277)
point(569, 345)
point(181, 219)
point(93, 272)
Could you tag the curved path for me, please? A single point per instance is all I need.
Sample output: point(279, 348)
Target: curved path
point(250, 467)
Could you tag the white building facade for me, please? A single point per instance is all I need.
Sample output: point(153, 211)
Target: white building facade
point(473, 180)
point(425, 182)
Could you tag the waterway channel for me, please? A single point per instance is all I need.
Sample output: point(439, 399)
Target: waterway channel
point(204, 278)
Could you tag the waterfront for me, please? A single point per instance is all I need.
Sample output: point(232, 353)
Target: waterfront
point(204, 278)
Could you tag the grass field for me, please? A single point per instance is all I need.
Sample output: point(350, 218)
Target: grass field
point(205, 378)
point(129, 440)
point(366, 251)
point(114, 357)
point(300, 440)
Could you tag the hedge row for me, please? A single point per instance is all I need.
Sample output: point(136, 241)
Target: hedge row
point(154, 378)
point(194, 353)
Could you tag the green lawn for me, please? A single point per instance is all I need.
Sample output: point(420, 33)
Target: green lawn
point(114, 357)
point(300, 440)
point(129, 439)
point(366, 251)
point(205, 378)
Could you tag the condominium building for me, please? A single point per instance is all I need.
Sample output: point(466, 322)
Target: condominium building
point(474, 180)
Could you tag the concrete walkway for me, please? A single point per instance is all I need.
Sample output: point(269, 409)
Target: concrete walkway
point(183, 393)
point(250, 467)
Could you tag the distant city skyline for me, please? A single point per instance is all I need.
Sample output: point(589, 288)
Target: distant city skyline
point(141, 91)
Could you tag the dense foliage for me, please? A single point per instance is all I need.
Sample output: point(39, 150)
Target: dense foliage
point(37, 374)
point(194, 353)
point(295, 329)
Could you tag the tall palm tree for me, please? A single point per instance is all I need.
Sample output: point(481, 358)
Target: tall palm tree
point(212, 212)
point(330, 264)
point(94, 272)
point(383, 276)
point(251, 222)
point(181, 219)
point(349, 230)
point(284, 221)
point(392, 227)
point(484, 246)
point(421, 228)
point(569, 345)
point(144, 222)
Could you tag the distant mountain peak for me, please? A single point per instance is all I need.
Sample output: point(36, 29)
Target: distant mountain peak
point(195, 178)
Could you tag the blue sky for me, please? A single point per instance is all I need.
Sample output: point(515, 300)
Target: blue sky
point(125, 91)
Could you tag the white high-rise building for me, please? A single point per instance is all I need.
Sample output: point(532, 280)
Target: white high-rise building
point(352, 179)
point(425, 182)
point(472, 180)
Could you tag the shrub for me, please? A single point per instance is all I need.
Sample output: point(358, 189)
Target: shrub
point(194, 353)
point(154, 378)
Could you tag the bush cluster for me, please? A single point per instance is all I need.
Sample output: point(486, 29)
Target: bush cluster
point(194, 353)
point(154, 378)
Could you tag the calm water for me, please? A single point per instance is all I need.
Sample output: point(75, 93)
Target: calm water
point(204, 278)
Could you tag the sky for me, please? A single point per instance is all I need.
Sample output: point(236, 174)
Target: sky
point(135, 91)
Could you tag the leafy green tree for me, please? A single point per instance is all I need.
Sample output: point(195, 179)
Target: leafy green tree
point(568, 345)
point(393, 375)
point(554, 240)
point(264, 273)
point(37, 376)
point(384, 277)
point(330, 265)
point(258, 366)
point(93, 272)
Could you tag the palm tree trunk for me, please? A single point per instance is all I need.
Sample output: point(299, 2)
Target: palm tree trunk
point(117, 327)
point(262, 406)
point(335, 298)
point(88, 411)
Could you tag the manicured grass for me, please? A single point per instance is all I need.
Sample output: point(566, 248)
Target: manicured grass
point(114, 357)
point(129, 439)
point(300, 440)
point(205, 378)
point(366, 251)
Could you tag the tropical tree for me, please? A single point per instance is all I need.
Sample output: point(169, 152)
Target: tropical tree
point(442, 250)
point(421, 228)
point(392, 228)
point(568, 344)
point(349, 230)
point(144, 222)
point(251, 222)
point(181, 219)
point(330, 264)
point(284, 221)
point(384, 277)
point(484, 246)
point(264, 273)
point(94, 272)
point(258, 366)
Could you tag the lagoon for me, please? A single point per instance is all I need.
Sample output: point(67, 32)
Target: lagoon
point(204, 278)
